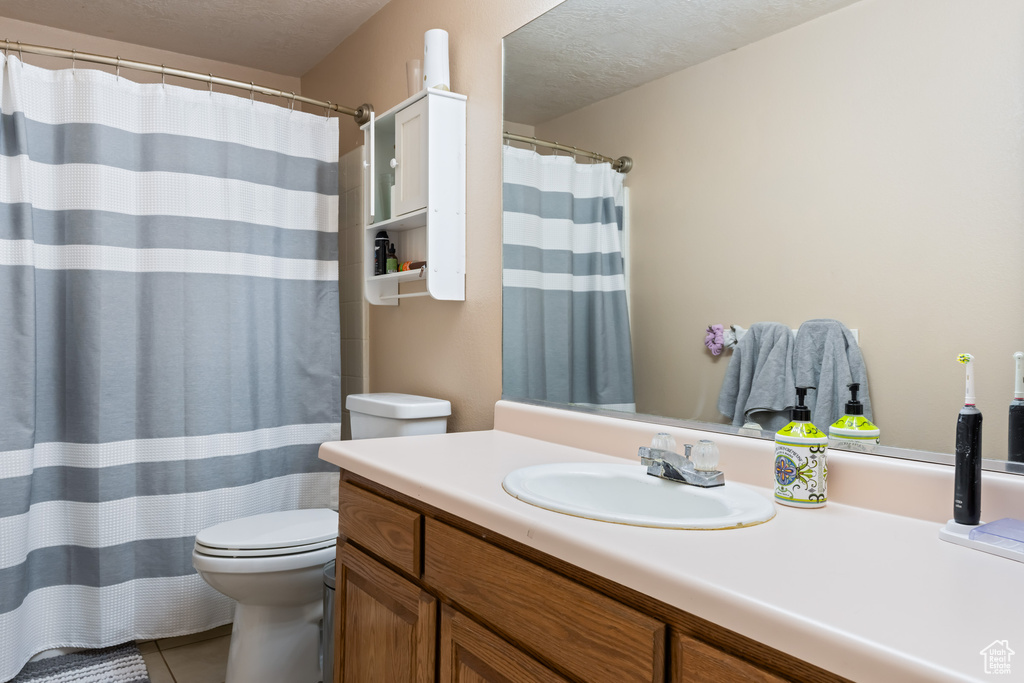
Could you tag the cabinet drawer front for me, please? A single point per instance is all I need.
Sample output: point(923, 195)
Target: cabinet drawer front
point(577, 630)
point(386, 529)
point(695, 661)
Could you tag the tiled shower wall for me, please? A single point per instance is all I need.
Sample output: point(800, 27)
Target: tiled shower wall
point(354, 335)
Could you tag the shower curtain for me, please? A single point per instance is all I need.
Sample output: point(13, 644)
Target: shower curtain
point(565, 326)
point(169, 344)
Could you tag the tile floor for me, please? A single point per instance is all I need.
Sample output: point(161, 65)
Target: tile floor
point(196, 658)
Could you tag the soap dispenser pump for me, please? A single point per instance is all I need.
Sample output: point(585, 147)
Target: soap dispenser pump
point(853, 431)
point(800, 466)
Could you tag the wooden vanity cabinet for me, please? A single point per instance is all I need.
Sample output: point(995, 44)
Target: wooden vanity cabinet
point(425, 596)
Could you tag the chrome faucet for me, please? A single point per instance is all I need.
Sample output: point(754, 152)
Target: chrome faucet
point(675, 467)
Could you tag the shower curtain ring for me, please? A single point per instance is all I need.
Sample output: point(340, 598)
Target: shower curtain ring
point(574, 154)
point(252, 91)
point(7, 44)
point(117, 71)
point(328, 110)
point(293, 101)
point(73, 56)
point(163, 75)
point(535, 144)
point(211, 83)
point(21, 57)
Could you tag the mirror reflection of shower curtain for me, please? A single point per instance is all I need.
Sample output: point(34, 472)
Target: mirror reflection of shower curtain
point(565, 324)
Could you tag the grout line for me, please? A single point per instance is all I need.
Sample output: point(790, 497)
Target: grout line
point(166, 664)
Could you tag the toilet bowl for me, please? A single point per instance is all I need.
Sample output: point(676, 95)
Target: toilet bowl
point(272, 564)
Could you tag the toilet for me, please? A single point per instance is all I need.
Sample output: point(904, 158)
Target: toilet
point(272, 564)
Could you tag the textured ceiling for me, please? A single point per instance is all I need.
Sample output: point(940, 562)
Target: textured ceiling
point(583, 51)
point(281, 36)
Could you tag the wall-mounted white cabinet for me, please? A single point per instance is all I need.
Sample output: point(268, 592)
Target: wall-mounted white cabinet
point(415, 191)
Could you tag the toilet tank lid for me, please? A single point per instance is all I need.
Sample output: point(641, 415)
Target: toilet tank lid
point(398, 406)
point(285, 529)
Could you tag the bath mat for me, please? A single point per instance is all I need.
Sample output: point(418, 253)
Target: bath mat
point(118, 664)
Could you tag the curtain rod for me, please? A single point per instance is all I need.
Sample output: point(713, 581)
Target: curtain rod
point(622, 164)
point(361, 114)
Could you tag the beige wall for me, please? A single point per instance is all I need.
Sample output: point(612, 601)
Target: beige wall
point(446, 349)
point(36, 34)
point(867, 166)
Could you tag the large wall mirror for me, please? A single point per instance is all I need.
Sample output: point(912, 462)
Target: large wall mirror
point(860, 160)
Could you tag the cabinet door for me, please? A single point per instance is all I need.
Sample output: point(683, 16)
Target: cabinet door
point(411, 174)
point(386, 625)
point(697, 662)
point(472, 654)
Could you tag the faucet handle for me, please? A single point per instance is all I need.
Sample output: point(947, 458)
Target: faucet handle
point(664, 441)
point(705, 456)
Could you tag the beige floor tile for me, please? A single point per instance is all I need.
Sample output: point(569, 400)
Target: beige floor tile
point(158, 671)
point(147, 646)
point(178, 641)
point(202, 662)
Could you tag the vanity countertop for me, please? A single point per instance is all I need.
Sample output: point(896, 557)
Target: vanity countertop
point(865, 594)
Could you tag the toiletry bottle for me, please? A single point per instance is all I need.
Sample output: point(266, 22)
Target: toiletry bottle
point(380, 253)
point(1016, 450)
point(967, 467)
point(392, 265)
point(800, 466)
point(853, 431)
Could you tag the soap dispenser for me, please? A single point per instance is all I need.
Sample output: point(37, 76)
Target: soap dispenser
point(800, 467)
point(853, 431)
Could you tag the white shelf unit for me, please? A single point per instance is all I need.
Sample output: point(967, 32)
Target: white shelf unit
point(422, 141)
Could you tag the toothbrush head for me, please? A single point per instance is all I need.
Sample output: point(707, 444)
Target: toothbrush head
point(964, 358)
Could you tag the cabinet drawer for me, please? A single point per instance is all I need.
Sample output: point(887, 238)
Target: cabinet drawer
point(695, 661)
point(388, 530)
point(575, 629)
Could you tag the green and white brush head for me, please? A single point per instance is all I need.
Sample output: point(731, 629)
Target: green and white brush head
point(967, 360)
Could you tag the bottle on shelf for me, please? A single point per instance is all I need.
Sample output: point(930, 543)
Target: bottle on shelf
point(392, 263)
point(380, 253)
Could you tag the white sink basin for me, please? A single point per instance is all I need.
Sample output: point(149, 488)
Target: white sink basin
point(626, 494)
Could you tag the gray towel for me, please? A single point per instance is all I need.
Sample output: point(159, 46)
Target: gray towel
point(758, 384)
point(826, 356)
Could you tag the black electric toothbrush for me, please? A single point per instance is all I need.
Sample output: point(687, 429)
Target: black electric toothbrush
point(1016, 440)
point(967, 475)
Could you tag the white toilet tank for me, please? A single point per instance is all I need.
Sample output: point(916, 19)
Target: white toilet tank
point(379, 415)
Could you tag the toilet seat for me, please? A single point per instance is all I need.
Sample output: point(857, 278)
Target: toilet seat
point(274, 534)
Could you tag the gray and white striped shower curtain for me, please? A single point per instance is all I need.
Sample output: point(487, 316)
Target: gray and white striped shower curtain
point(565, 324)
point(169, 344)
